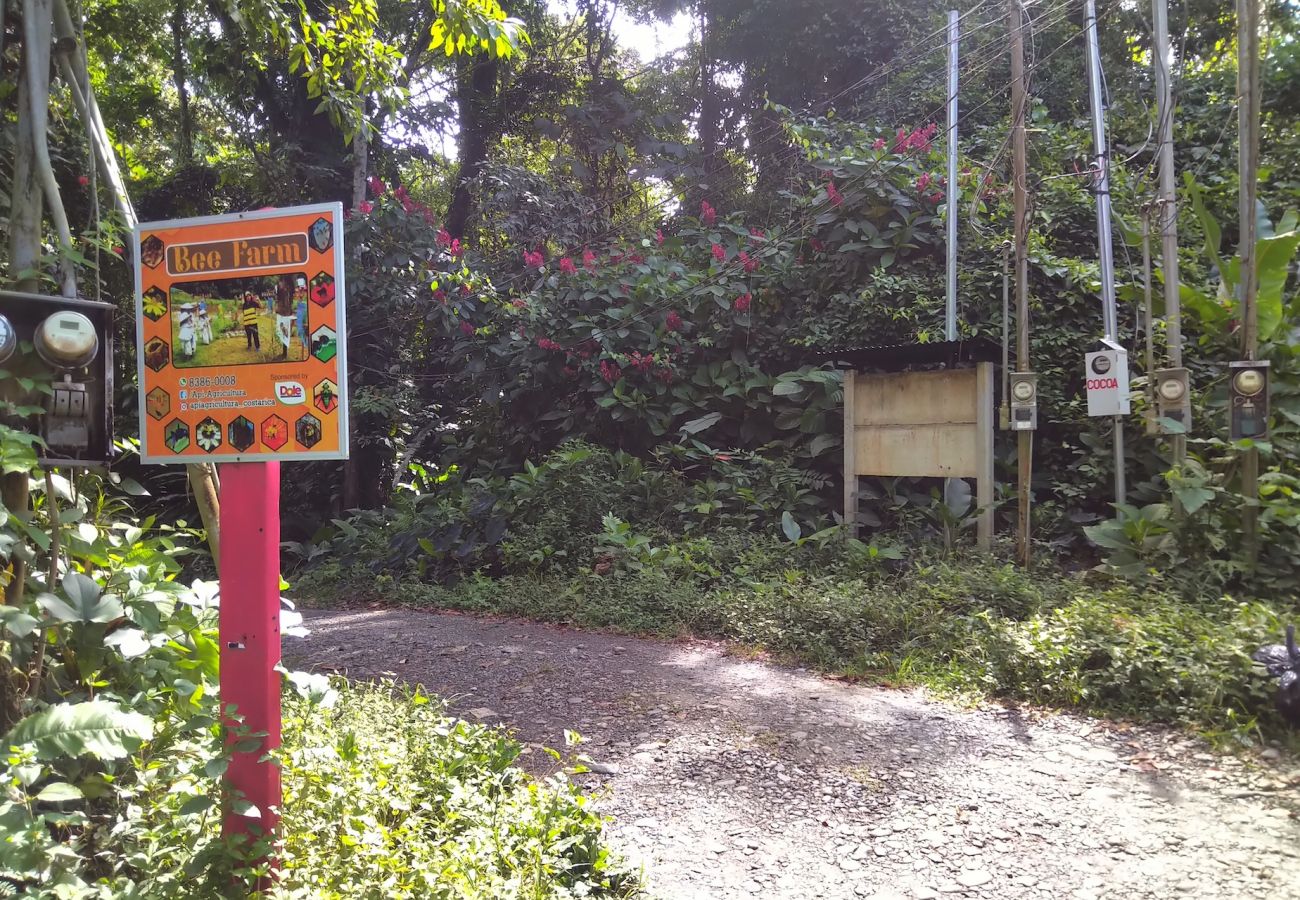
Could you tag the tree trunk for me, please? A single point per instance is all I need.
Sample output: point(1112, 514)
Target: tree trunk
point(360, 162)
point(182, 92)
point(705, 183)
point(476, 81)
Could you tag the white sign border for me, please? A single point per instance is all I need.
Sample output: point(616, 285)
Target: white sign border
point(340, 319)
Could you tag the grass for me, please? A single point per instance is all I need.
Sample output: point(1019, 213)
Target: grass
point(388, 797)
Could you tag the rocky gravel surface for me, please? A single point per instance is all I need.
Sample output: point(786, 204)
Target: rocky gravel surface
point(733, 778)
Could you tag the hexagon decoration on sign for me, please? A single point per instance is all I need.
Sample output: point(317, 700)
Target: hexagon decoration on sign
point(275, 432)
point(242, 433)
point(321, 235)
point(156, 354)
point(307, 430)
point(158, 403)
point(151, 251)
point(177, 436)
point(154, 304)
point(324, 343)
point(322, 289)
point(326, 396)
point(207, 434)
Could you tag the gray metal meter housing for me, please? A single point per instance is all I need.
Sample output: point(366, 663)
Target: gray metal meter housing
point(65, 345)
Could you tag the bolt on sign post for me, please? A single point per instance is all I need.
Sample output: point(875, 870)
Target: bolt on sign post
point(239, 335)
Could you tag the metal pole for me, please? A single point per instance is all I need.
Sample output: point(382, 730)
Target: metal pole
point(1147, 321)
point(1024, 439)
point(1162, 53)
point(950, 322)
point(1247, 162)
point(1005, 396)
point(950, 310)
point(1105, 251)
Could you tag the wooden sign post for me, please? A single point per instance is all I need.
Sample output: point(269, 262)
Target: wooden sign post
point(242, 360)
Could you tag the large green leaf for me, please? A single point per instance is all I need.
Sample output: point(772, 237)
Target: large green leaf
point(82, 608)
point(1213, 234)
point(98, 728)
point(1274, 255)
point(695, 426)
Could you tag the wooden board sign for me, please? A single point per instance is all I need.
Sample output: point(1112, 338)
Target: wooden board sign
point(240, 336)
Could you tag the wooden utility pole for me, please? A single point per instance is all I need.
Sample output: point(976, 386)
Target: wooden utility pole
point(1167, 208)
point(1024, 439)
point(1247, 165)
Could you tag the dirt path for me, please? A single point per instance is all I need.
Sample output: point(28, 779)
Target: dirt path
point(730, 778)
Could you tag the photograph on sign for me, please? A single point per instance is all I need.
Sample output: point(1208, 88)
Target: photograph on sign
point(239, 319)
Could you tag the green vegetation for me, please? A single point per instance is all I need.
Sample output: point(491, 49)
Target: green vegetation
point(385, 796)
point(602, 540)
point(113, 755)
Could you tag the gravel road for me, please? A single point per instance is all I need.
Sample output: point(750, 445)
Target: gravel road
point(733, 778)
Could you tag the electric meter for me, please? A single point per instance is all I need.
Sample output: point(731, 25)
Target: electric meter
point(8, 339)
point(62, 348)
point(1024, 401)
point(1173, 401)
point(67, 340)
point(1248, 399)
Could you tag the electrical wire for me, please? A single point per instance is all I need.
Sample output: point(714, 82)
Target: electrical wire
point(716, 279)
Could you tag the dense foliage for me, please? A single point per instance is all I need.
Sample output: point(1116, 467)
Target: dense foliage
point(111, 777)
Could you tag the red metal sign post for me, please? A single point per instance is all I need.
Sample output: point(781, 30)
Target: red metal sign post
point(250, 636)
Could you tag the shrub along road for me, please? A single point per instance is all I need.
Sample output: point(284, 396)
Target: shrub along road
point(733, 778)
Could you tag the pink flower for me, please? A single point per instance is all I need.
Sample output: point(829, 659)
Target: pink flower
point(634, 259)
point(900, 140)
point(609, 371)
point(878, 144)
point(533, 259)
point(440, 295)
point(465, 327)
point(519, 303)
point(119, 249)
point(444, 237)
point(756, 234)
point(567, 266)
point(455, 249)
point(708, 215)
point(936, 197)
point(377, 187)
point(832, 194)
point(547, 344)
point(923, 182)
point(748, 262)
point(719, 253)
point(365, 206)
point(659, 236)
point(742, 303)
point(83, 180)
point(673, 322)
point(588, 259)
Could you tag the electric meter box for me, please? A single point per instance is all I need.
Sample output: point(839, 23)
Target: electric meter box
point(1023, 392)
point(56, 354)
point(1173, 395)
point(1106, 381)
point(1248, 399)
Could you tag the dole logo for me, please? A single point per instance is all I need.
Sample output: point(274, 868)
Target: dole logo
point(290, 393)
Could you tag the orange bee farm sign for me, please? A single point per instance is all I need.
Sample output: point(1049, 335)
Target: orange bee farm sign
point(240, 336)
